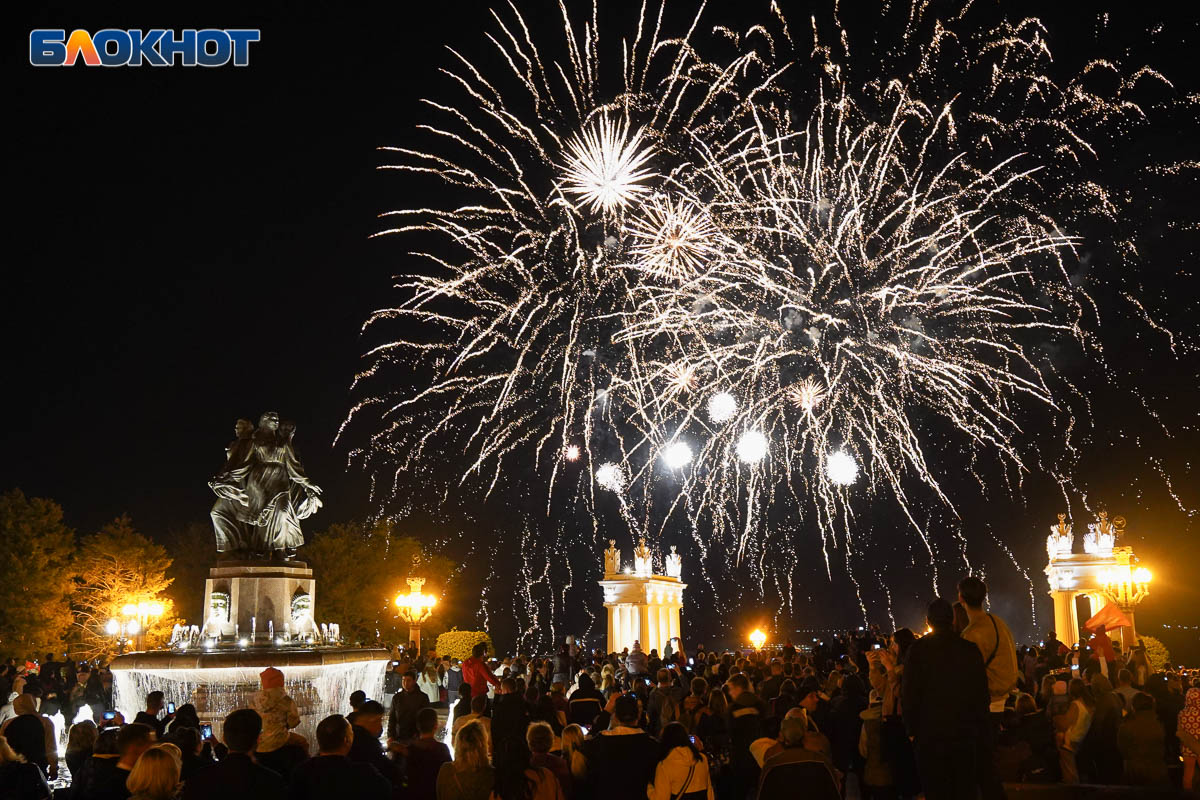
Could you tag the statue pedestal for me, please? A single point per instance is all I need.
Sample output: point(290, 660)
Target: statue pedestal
point(254, 597)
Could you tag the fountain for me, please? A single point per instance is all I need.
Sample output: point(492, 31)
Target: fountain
point(258, 587)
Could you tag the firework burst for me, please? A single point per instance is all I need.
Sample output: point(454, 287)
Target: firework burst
point(784, 312)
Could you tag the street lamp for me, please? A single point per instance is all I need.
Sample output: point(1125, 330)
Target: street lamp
point(415, 608)
point(138, 617)
point(1127, 586)
point(758, 639)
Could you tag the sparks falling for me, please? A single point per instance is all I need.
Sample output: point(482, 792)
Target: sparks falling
point(684, 256)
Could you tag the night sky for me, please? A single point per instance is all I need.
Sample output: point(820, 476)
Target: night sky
point(190, 246)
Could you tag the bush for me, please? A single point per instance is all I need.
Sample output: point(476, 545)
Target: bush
point(459, 644)
point(1156, 653)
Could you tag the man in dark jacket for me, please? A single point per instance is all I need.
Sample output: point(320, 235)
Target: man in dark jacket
point(510, 716)
point(332, 773)
point(366, 749)
point(745, 726)
point(945, 701)
point(769, 689)
point(621, 760)
point(149, 717)
point(238, 777)
point(402, 723)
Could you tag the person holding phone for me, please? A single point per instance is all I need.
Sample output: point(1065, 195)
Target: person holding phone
point(154, 707)
point(683, 770)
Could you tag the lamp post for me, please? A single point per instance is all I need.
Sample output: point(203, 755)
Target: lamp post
point(1127, 585)
point(415, 608)
point(138, 617)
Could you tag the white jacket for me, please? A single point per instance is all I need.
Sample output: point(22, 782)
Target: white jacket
point(672, 772)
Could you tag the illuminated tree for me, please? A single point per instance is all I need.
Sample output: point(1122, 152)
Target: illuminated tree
point(117, 567)
point(36, 549)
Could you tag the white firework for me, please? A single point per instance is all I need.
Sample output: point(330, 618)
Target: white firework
point(840, 468)
point(620, 225)
point(722, 406)
point(752, 447)
point(681, 377)
point(806, 394)
point(671, 238)
point(611, 476)
point(604, 167)
point(677, 455)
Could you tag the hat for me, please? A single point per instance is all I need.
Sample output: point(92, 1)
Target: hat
point(271, 678)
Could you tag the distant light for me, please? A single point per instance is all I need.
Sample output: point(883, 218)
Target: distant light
point(278, 641)
point(243, 641)
point(752, 447)
point(677, 455)
point(572, 452)
point(840, 468)
point(721, 406)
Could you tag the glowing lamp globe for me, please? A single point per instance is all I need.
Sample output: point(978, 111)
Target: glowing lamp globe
point(721, 406)
point(1142, 575)
point(113, 627)
point(758, 639)
point(840, 468)
point(132, 627)
point(752, 447)
point(677, 455)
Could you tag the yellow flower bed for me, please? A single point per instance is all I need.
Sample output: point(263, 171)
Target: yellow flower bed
point(459, 644)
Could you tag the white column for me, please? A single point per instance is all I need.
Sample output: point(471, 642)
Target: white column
point(609, 642)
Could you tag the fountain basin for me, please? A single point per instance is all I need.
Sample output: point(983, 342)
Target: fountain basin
point(219, 681)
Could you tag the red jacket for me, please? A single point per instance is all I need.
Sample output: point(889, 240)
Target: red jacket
point(476, 673)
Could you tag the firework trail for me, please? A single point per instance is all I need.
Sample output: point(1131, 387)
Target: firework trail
point(752, 276)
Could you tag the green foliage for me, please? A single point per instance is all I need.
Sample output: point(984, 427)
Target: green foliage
point(1156, 653)
point(116, 567)
point(35, 562)
point(459, 644)
point(359, 572)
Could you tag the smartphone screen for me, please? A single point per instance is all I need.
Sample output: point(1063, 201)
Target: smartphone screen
point(876, 647)
point(205, 731)
point(170, 708)
point(110, 715)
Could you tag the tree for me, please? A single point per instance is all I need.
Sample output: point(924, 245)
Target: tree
point(193, 551)
point(116, 567)
point(359, 571)
point(36, 549)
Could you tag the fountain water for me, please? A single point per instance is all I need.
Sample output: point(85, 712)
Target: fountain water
point(215, 667)
point(218, 682)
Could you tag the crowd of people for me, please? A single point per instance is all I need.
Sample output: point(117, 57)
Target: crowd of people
point(954, 713)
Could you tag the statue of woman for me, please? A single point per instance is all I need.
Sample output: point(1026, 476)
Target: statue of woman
point(264, 494)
